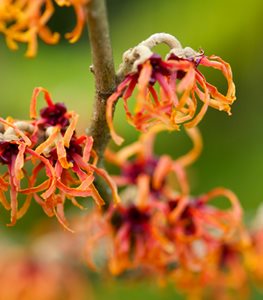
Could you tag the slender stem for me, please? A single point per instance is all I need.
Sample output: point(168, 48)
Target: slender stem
point(103, 68)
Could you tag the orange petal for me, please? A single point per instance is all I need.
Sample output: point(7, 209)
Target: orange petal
point(36, 92)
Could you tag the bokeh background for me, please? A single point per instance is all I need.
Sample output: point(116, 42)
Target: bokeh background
point(233, 152)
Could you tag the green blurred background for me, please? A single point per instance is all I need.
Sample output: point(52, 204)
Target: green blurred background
point(232, 156)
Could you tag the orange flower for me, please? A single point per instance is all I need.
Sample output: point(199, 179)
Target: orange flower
point(71, 157)
point(254, 257)
point(50, 144)
point(140, 166)
point(210, 244)
point(26, 20)
point(198, 228)
point(168, 91)
point(133, 236)
point(79, 8)
point(225, 274)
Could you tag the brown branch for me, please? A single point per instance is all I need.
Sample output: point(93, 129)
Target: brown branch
point(105, 83)
point(104, 73)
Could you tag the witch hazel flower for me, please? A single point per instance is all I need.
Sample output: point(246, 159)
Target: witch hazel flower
point(198, 228)
point(71, 157)
point(132, 233)
point(224, 276)
point(80, 7)
point(26, 21)
point(47, 161)
point(224, 272)
point(140, 166)
point(168, 89)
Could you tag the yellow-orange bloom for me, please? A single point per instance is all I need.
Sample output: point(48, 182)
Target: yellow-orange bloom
point(24, 21)
point(79, 8)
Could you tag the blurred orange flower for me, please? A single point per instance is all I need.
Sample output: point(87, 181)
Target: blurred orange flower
point(26, 20)
point(141, 167)
point(27, 275)
point(224, 276)
point(197, 228)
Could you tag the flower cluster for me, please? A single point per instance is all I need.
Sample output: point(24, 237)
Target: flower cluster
point(25, 21)
point(161, 231)
point(47, 143)
point(159, 228)
point(168, 90)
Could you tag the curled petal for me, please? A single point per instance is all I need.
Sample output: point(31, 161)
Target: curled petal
point(71, 128)
point(219, 64)
point(111, 183)
point(60, 215)
point(75, 192)
point(110, 108)
point(237, 210)
point(195, 152)
point(81, 18)
point(164, 166)
point(33, 105)
point(204, 108)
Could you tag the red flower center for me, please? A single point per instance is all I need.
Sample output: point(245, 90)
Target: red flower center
point(136, 168)
point(55, 115)
point(135, 218)
point(7, 151)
